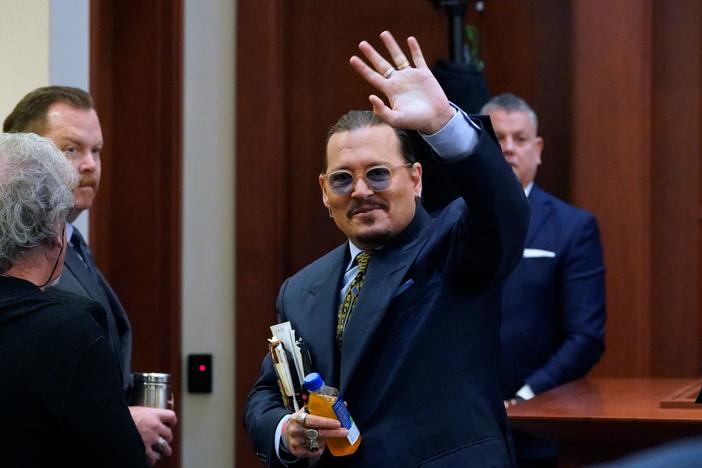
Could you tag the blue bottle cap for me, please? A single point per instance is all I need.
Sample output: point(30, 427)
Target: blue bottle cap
point(313, 381)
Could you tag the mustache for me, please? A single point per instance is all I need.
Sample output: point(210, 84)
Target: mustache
point(87, 181)
point(366, 205)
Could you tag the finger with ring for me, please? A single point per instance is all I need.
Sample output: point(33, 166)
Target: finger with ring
point(388, 73)
point(313, 435)
point(161, 443)
point(314, 446)
point(300, 418)
point(398, 57)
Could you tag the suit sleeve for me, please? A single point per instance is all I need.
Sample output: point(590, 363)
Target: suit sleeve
point(489, 238)
point(264, 407)
point(582, 289)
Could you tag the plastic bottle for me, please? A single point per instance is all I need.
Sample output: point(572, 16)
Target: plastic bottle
point(324, 401)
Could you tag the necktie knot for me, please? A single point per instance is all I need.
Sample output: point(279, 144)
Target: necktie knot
point(77, 239)
point(83, 251)
point(362, 260)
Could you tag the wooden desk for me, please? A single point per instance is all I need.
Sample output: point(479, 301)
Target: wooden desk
point(599, 419)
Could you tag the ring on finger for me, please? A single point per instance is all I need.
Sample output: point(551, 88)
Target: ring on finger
point(388, 73)
point(313, 435)
point(313, 446)
point(403, 65)
point(301, 417)
point(161, 443)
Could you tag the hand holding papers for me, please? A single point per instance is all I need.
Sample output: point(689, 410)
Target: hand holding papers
point(291, 362)
point(280, 363)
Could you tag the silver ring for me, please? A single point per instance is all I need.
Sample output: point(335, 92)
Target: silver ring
point(161, 443)
point(301, 417)
point(403, 65)
point(313, 435)
point(388, 73)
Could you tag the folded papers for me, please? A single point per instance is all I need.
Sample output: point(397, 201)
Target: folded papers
point(291, 361)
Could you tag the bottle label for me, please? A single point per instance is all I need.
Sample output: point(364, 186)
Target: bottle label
point(342, 414)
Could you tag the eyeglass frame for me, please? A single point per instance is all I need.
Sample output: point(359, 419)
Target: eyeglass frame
point(354, 178)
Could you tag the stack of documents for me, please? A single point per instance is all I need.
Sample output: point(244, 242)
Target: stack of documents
point(291, 361)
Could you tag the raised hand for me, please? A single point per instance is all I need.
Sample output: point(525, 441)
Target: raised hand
point(415, 99)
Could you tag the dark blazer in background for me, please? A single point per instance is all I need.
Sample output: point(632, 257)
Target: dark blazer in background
point(77, 279)
point(419, 366)
point(553, 312)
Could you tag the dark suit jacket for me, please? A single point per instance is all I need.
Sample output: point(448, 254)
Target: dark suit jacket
point(77, 279)
point(419, 367)
point(553, 313)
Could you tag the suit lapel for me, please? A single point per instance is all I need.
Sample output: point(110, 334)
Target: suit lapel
point(540, 208)
point(319, 317)
point(119, 332)
point(76, 267)
point(385, 273)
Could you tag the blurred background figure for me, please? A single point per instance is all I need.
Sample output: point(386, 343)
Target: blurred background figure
point(553, 311)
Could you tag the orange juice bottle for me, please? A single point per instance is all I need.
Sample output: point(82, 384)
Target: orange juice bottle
point(324, 401)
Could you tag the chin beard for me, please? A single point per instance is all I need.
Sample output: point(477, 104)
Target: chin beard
point(375, 240)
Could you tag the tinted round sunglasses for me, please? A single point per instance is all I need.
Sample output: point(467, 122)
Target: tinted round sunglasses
point(377, 178)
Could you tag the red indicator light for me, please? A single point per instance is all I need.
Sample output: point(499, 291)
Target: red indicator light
point(202, 368)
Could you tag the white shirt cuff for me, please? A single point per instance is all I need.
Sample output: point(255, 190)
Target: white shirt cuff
point(457, 139)
point(525, 393)
point(278, 439)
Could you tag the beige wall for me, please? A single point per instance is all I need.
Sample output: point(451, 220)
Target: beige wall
point(24, 54)
point(208, 229)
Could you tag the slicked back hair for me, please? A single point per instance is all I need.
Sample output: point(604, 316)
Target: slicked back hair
point(356, 119)
point(511, 103)
point(29, 115)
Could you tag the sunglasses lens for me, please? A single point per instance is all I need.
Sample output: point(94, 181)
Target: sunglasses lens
point(378, 178)
point(340, 181)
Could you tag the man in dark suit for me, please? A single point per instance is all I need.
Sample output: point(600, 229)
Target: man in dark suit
point(553, 312)
point(416, 356)
point(67, 116)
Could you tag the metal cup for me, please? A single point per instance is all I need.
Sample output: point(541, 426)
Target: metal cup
point(153, 389)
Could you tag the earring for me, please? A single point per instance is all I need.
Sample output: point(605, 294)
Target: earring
point(331, 215)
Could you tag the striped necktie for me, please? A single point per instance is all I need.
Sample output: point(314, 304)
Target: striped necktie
point(349, 302)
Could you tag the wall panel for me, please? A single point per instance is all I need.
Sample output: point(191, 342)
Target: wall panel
point(136, 72)
point(675, 185)
point(611, 167)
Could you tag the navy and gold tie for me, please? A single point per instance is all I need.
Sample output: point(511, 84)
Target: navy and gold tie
point(349, 302)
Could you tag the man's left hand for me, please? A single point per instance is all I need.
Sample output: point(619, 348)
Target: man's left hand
point(155, 428)
point(416, 100)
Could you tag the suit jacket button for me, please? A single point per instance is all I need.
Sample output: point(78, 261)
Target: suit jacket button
point(262, 457)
